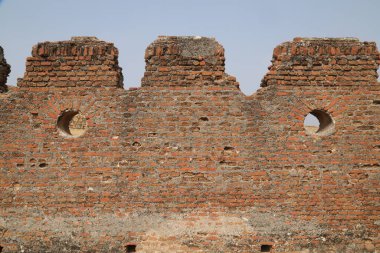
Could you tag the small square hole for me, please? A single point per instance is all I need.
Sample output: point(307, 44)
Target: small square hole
point(130, 248)
point(266, 248)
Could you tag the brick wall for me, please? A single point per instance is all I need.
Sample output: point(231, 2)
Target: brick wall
point(187, 162)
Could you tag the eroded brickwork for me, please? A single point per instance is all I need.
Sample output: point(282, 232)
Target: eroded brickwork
point(4, 71)
point(328, 61)
point(182, 60)
point(187, 162)
point(81, 61)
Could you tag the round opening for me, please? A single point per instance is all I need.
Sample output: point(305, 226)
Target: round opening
point(72, 123)
point(319, 122)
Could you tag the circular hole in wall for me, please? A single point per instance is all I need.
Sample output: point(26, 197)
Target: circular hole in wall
point(319, 122)
point(72, 123)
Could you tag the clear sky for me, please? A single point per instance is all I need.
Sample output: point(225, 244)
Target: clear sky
point(248, 29)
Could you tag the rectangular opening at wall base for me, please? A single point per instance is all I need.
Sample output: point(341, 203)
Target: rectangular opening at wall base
point(266, 248)
point(130, 248)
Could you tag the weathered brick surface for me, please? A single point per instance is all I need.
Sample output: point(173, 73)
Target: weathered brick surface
point(5, 69)
point(187, 162)
point(181, 61)
point(81, 61)
point(327, 61)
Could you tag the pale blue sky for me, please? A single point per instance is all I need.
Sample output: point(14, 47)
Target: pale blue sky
point(248, 29)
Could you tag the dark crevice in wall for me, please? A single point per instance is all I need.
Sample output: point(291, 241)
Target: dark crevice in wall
point(130, 248)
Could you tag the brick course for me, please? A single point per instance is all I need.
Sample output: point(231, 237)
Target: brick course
point(187, 162)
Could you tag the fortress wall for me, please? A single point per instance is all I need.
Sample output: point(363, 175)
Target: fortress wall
point(188, 164)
